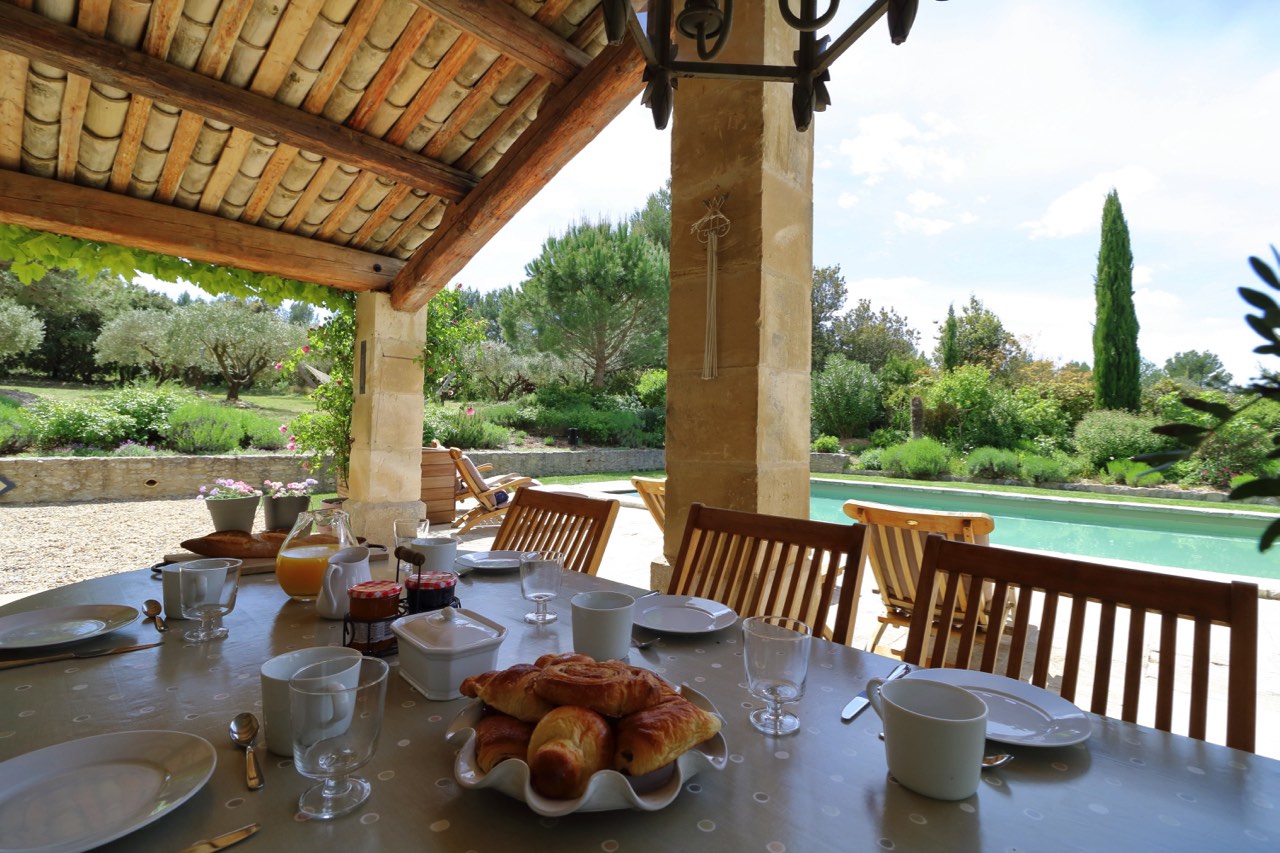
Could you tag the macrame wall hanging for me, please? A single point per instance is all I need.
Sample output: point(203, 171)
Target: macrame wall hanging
point(709, 229)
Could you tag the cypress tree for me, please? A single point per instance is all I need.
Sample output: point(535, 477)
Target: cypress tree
point(949, 345)
point(1116, 361)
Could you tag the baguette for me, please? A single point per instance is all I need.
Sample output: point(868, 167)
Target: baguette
point(568, 745)
point(239, 544)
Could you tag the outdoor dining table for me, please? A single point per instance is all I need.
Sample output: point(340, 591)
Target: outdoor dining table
point(823, 789)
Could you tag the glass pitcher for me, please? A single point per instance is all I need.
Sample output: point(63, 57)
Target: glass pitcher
point(316, 536)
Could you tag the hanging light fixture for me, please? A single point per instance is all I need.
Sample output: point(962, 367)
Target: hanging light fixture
point(708, 23)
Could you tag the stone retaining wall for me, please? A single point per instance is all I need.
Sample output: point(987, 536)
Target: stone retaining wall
point(552, 463)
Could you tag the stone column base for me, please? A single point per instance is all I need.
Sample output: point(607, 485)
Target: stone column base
point(660, 572)
point(373, 520)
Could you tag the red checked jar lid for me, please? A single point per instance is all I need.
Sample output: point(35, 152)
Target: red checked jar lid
point(431, 580)
point(375, 589)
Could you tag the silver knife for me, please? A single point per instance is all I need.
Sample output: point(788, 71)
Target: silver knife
point(223, 841)
point(860, 702)
point(10, 664)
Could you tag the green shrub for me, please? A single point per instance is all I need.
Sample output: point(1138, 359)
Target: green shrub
point(651, 389)
point(1106, 435)
point(1043, 469)
point(263, 432)
point(503, 414)
point(60, 424)
point(1242, 479)
point(462, 428)
point(991, 463)
point(887, 437)
point(17, 432)
point(130, 448)
point(563, 396)
point(148, 408)
point(826, 444)
point(205, 427)
point(846, 397)
point(1130, 473)
point(918, 459)
point(549, 441)
point(870, 459)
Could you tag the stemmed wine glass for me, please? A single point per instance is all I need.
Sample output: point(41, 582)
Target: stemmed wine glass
point(335, 708)
point(776, 655)
point(540, 575)
point(207, 591)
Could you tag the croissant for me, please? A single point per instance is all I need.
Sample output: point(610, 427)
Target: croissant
point(568, 745)
point(609, 687)
point(658, 735)
point(499, 737)
point(563, 657)
point(509, 691)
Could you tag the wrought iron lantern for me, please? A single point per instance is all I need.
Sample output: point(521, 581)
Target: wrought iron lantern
point(708, 23)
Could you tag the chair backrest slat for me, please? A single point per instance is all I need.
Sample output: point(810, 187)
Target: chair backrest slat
point(1101, 597)
point(654, 494)
point(765, 564)
point(541, 520)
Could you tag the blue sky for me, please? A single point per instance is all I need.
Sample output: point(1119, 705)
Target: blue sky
point(975, 158)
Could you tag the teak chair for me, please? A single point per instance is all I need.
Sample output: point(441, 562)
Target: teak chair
point(1197, 604)
point(485, 492)
point(768, 564)
point(654, 494)
point(894, 546)
point(575, 525)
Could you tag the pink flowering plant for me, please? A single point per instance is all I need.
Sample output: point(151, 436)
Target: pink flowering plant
point(276, 489)
point(222, 490)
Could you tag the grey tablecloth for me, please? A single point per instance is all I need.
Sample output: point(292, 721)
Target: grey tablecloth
point(826, 788)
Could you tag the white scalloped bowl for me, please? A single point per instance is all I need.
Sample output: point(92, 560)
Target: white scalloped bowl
point(607, 790)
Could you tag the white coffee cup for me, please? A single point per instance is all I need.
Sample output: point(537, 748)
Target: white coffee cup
point(322, 698)
point(602, 624)
point(172, 589)
point(934, 735)
point(439, 552)
point(275, 688)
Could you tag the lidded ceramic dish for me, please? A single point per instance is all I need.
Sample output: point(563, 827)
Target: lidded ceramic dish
point(440, 648)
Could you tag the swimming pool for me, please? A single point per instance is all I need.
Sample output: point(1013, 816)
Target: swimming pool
point(1212, 540)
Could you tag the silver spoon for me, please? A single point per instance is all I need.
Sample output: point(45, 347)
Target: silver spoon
point(152, 608)
point(642, 644)
point(244, 731)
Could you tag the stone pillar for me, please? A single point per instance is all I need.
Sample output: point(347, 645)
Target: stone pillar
point(385, 479)
point(741, 440)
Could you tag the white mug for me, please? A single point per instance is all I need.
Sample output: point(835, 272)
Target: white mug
point(275, 689)
point(439, 551)
point(602, 624)
point(322, 698)
point(934, 735)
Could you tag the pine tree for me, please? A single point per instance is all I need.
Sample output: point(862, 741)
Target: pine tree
point(949, 346)
point(1116, 361)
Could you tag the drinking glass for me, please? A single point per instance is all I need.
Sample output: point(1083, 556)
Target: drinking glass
point(775, 651)
point(540, 575)
point(405, 530)
point(336, 712)
point(207, 591)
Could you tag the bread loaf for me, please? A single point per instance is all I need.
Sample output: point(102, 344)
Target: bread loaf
point(509, 691)
point(609, 687)
point(239, 544)
point(568, 745)
point(658, 735)
point(499, 737)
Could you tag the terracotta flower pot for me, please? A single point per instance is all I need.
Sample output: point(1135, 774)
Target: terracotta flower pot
point(233, 513)
point(281, 513)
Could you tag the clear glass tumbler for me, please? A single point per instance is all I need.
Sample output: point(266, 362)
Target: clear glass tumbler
point(207, 591)
point(540, 576)
point(775, 650)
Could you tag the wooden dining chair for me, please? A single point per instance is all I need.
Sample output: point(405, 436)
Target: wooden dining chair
point(653, 492)
point(485, 492)
point(575, 525)
point(768, 564)
point(1093, 593)
point(894, 546)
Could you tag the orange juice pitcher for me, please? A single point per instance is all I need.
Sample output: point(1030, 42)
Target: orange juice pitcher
point(316, 536)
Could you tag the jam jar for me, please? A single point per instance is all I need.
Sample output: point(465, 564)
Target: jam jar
point(430, 591)
point(374, 606)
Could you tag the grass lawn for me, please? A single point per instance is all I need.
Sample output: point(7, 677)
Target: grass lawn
point(274, 403)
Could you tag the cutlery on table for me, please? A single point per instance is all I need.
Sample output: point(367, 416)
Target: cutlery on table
point(860, 702)
point(152, 608)
point(10, 664)
point(221, 842)
point(244, 731)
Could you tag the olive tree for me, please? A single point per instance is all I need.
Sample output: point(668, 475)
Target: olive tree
point(141, 338)
point(21, 329)
point(241, 338)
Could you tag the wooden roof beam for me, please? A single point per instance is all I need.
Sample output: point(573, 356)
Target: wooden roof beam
point(112, 218)
point(511, 32)
point(36, 37)
point(567, 121)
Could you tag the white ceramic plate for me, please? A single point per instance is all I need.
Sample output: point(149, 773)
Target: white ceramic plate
point(56, 626)
point(682, 614)
point(1018, 713)
point(77, 795)
point(607, 790)
point(489, 561)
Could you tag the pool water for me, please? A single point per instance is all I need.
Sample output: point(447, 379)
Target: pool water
point(1212, 540)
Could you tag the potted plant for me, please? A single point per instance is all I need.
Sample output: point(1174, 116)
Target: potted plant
point(232, 504)
point(285, 501)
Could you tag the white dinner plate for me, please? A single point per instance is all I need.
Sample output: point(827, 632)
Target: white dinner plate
point(607, 789)
point(77, 795)
point(489, 561)
point(682, 614)
point(1018, 713)
point(55, 626)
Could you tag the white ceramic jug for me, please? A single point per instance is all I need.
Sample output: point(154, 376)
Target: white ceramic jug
point(346, 568)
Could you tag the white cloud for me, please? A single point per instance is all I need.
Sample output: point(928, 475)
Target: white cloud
point(928, 227)
point(846, 200)
point(1080, 208)
point(1142, 274)
point(922, 200)
point(889, 143)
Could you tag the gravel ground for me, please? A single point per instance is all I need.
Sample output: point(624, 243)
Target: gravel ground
point(91, 539)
